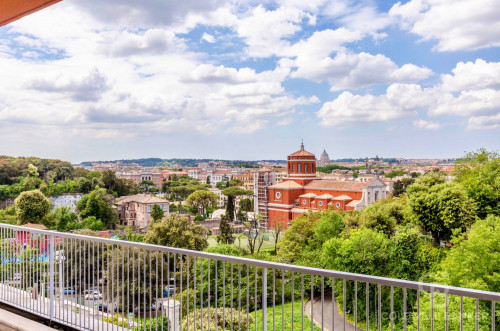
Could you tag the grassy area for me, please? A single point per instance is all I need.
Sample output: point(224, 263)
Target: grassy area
point(240, 242)
point(297, 318)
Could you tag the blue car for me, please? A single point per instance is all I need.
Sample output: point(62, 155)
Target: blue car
point(69, 290)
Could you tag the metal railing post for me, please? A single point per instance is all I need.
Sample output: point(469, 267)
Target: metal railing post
point(51, 275)
point(264, 299)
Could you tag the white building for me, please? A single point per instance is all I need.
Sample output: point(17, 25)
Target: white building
point(66, 200)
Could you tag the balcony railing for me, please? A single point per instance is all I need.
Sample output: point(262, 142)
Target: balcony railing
point(92, 283)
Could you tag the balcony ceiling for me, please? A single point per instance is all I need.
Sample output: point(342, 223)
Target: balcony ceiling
point(11, 10)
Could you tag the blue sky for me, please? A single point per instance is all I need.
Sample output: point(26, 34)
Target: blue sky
point(102, 80)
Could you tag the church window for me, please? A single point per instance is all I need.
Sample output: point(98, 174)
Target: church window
point(293, 167)
point(305, 168)
point(300, 170)
point(278, 195)
point(320, 203)
point(337, 205)
point(304, 201)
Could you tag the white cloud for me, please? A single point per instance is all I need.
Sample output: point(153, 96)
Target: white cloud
point(472, 90)
point(264, 30)
point(456, 25)
point(467, 103)
point(349, 109)
point(422, 124)
point(484, 122)
point(351, 71)
point(208, 38)
point(149, 13)
point(472, 76)
point(125, 43)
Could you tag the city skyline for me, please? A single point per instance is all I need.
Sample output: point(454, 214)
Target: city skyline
point(91, 80)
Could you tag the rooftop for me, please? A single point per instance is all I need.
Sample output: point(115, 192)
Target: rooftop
point(141, 198)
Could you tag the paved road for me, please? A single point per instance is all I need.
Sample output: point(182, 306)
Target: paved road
point(327, 316)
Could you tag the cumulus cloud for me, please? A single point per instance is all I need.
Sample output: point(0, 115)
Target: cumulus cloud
point(484, 122)
point(456, 25)
point(87, 88)
point(126, 43)
point(148, 13)
point(349, 109)
point(471, 90)
point(264, 30)
point(351, 71)
point(472, 76)
point(423, 124)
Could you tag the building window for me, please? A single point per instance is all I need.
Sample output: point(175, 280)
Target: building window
point(337, 205)
point(278, 195)
point(304, 201)
point(320, 203)
point(293, 167)
point(305, 168)
point(299, 168)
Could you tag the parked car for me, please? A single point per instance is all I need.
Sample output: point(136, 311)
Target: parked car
point(69, 290)
point(93, 296)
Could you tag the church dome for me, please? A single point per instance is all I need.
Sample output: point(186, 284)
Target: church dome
point(324, 156)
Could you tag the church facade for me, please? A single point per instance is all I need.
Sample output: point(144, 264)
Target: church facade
point(302, 191)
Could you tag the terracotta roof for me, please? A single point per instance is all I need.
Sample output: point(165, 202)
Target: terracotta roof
point(287, 184)
point(308, 195)
point(325, 196)
point(302, 152)
point(35, 226)
point(299, 210)
point(343, 197)
point(141, 198)
point(353, 203)
point(336, 185)
point(227, 172)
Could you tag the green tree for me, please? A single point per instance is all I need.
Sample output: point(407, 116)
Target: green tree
point(329, 225)
point(64, 219)
point(226, 230)
point(93, 224)
point(246, 204)
point(383, 215)
point(235, 182)
point(157, 213)
point(439, 207)
point(146, 185)
point(401, 185)
point(297, 238)
point(176, 231)
point(84, 185)
point(181, 192)
point(201, 200)
point(479, 173)
point(365, 251)
point(232, 193)
point(98, 204)
point(31, 207)
point(473, 262)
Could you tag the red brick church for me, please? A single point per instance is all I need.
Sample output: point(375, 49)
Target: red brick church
point(302, 191)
